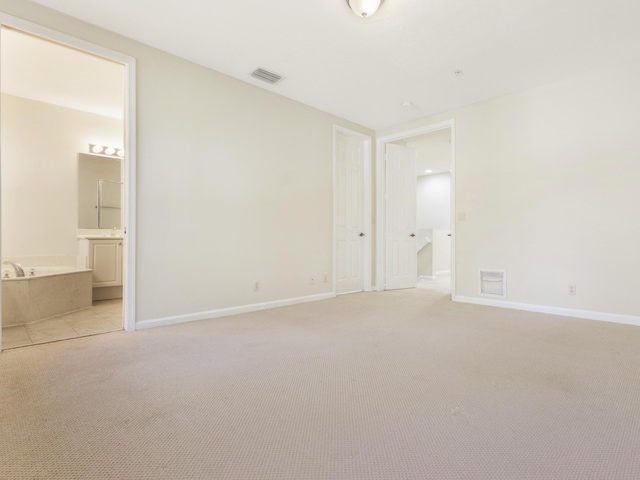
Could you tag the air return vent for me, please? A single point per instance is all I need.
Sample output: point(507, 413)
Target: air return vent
point(493, 283)
point(266, 76)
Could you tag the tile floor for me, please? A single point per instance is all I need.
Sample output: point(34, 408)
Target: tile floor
point(102, 317)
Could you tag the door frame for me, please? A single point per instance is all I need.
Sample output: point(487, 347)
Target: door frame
point(129, 63)
point(366, 248)
point(381, 196)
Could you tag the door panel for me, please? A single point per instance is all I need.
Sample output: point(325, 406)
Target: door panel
point(350, 214)
point(401, 259)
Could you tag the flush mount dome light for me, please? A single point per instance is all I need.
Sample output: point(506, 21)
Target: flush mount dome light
point(364, 8)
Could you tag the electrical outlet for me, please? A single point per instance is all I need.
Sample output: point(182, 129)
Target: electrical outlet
point(462, 217)
point(256, 286)
point(325, 278)
point(312, 280)
point(572, 289)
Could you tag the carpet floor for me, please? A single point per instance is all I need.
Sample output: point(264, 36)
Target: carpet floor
point(392, 385)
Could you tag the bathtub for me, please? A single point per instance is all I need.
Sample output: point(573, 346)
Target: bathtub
point(43, 292)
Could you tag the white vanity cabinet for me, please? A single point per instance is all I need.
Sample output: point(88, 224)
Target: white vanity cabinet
point(104, 257)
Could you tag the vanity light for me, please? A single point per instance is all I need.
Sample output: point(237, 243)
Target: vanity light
point(364, 8)
point(105, 150)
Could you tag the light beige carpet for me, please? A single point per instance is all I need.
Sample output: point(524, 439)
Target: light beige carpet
point(394, 385)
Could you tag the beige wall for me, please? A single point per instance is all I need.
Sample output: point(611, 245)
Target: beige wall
point(40, 146)
point(548, 179)
point(234, 183)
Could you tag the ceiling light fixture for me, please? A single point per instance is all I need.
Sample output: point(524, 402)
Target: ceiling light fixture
point(364, 8)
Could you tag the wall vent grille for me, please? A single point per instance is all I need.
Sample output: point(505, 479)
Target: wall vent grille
point(266, 76)
point(493, 283)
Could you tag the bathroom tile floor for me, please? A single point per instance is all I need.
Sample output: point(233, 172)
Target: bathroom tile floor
point(102, 317)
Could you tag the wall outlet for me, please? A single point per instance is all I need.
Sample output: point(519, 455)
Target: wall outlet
point(256, 286)
point(462, 217)
point(572, 289)
point(325, 278)
point(312, 280)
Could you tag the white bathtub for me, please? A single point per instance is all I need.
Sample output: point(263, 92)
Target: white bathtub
point(44, 292)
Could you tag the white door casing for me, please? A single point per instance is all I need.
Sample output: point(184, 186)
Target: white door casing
point(129, 63)
point(381, 221)
point(351, 211)
point(401, 259)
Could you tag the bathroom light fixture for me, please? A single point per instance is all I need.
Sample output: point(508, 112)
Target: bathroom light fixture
point(364, 8)
point(104, 150)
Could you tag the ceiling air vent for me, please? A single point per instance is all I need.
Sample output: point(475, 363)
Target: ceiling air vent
point(493, 283)
point(266, 76)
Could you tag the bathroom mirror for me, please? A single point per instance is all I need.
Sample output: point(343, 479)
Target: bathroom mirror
point(99, 191)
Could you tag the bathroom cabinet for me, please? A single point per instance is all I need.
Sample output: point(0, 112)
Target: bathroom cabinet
point(104, 257)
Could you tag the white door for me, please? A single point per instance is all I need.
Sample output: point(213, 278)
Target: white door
point(350, 221)
point(401, 258)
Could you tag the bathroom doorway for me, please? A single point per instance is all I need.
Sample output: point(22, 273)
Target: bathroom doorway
point(65, 110)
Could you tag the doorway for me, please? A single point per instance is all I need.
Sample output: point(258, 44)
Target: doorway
point(428, 190)
point(62, 99)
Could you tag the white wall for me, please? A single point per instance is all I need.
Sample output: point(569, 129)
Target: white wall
point(433, 151)
point(234, 183)
point(40, 146)
point(433, 195)
point(548, 179)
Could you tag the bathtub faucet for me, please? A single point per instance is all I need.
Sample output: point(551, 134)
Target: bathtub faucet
point(16, 266)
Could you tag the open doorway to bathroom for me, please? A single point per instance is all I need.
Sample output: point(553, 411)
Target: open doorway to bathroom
point(63, 162)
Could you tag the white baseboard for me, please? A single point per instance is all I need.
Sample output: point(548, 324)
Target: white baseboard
point(224, 312)
point(438, 276)
point(565, 312)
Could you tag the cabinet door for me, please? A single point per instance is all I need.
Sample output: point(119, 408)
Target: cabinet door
point(105, 258)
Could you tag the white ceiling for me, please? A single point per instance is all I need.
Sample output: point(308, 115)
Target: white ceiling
point(48, 72)
point(363, 69)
